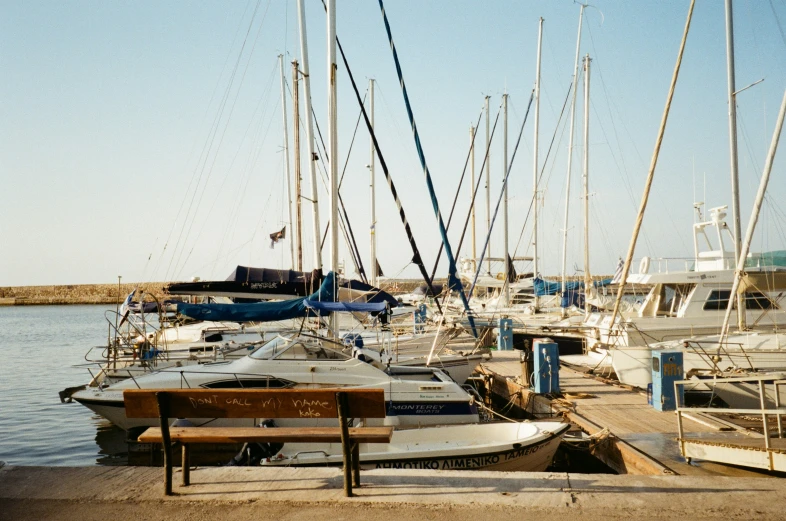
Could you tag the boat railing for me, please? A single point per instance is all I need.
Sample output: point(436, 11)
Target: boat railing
point(667, 264)
point(774, 383)
point(297, 454)
point(713, 358)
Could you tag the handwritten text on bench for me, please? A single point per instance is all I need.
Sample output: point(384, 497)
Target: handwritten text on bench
point(306, 408)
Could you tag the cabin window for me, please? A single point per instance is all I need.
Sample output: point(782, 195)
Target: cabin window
point(250, 383)
point(719, 300)
point(672, 297)
point(758, 300)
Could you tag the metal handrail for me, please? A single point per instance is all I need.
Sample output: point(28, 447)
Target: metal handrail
point(778, 412)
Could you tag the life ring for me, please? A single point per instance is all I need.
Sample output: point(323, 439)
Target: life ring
point(644, 265)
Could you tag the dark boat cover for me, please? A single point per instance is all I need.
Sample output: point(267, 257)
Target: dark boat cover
point(247, 274)
point(259, 311)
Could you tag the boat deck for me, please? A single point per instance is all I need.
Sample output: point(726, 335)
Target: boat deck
point(642, 440)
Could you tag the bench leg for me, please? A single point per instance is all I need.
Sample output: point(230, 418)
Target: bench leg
point(167, 469)
point(346, 443)
point(356, 464)
point(163, 412)
point(186, 466)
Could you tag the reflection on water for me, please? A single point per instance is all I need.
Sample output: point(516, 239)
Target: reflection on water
point(112, 446)
point(39, 346)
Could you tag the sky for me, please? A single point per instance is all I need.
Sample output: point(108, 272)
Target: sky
point(145, 139)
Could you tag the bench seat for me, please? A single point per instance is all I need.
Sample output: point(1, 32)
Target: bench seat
point(272, 435)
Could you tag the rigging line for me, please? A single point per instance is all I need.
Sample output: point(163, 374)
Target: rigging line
point(778, 21)
point(211, 141)
point(245, 177)
point(349, 234)
point(351, 144)
point(454, 282)
point(416, 258)
point(223, 135)
point(554, 136)
point(501, 195)
point(353, 245)
point(771, 205)
point(343, 222)
point(458, 191)
point(380, 91)
point(204, 155)
point(540, 180)
point(480, 179)
point(234, 216)
point(624, 172)
point(193, 146)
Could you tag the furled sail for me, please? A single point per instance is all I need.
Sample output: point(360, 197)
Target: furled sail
point(259, 311)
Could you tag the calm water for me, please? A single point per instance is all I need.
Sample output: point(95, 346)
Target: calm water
point(40, 345)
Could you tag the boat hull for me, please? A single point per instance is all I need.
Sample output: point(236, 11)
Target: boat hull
point(458, 448)
point(400, 412)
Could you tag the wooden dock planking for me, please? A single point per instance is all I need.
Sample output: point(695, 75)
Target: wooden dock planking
point(643, 440)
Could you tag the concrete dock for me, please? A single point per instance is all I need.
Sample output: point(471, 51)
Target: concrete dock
point(229, 493)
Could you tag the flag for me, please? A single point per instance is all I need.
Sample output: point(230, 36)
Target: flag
point(277, 236)
point(125, 307)
point(127, 302)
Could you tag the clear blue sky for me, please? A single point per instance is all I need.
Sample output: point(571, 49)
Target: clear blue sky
point(126, 127)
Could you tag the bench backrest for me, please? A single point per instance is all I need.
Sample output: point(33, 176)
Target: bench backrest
point(254, 403)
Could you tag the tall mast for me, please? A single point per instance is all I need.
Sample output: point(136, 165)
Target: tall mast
point(535, 158)
point(296, 135)
point(488, 183)
point(765, 179)
point(312, 156)
point(570, 160)
point(333, 147)
point(372, 160)
point(472, 131)
point(735, 183)
point(286, 158)
point(587, 275)
point(506, 284)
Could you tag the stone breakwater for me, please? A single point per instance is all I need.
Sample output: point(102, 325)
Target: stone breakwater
point(75, 293)
point(114, 293)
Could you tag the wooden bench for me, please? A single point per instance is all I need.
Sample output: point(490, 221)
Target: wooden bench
point(343, 404)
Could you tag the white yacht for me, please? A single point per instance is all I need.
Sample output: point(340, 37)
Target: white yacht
point(488, 296)
point(415, 395)
point(684, 304)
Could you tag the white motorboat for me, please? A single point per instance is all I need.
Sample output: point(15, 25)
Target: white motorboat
point(508, 446)
point(688, 304)
point(416, 395)
point(753, 351)
point(743, 391)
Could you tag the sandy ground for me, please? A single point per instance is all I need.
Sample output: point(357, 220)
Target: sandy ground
point(119, 493)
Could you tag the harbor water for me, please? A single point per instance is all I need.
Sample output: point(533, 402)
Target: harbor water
point(40, 346)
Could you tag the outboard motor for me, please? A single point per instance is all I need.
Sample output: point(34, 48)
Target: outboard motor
point(254, 453)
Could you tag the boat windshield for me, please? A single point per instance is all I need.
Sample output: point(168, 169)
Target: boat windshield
point(283, 348)
point(272, 348)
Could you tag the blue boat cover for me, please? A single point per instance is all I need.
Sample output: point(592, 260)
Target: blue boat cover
point(363, 307)
point(259, 311)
